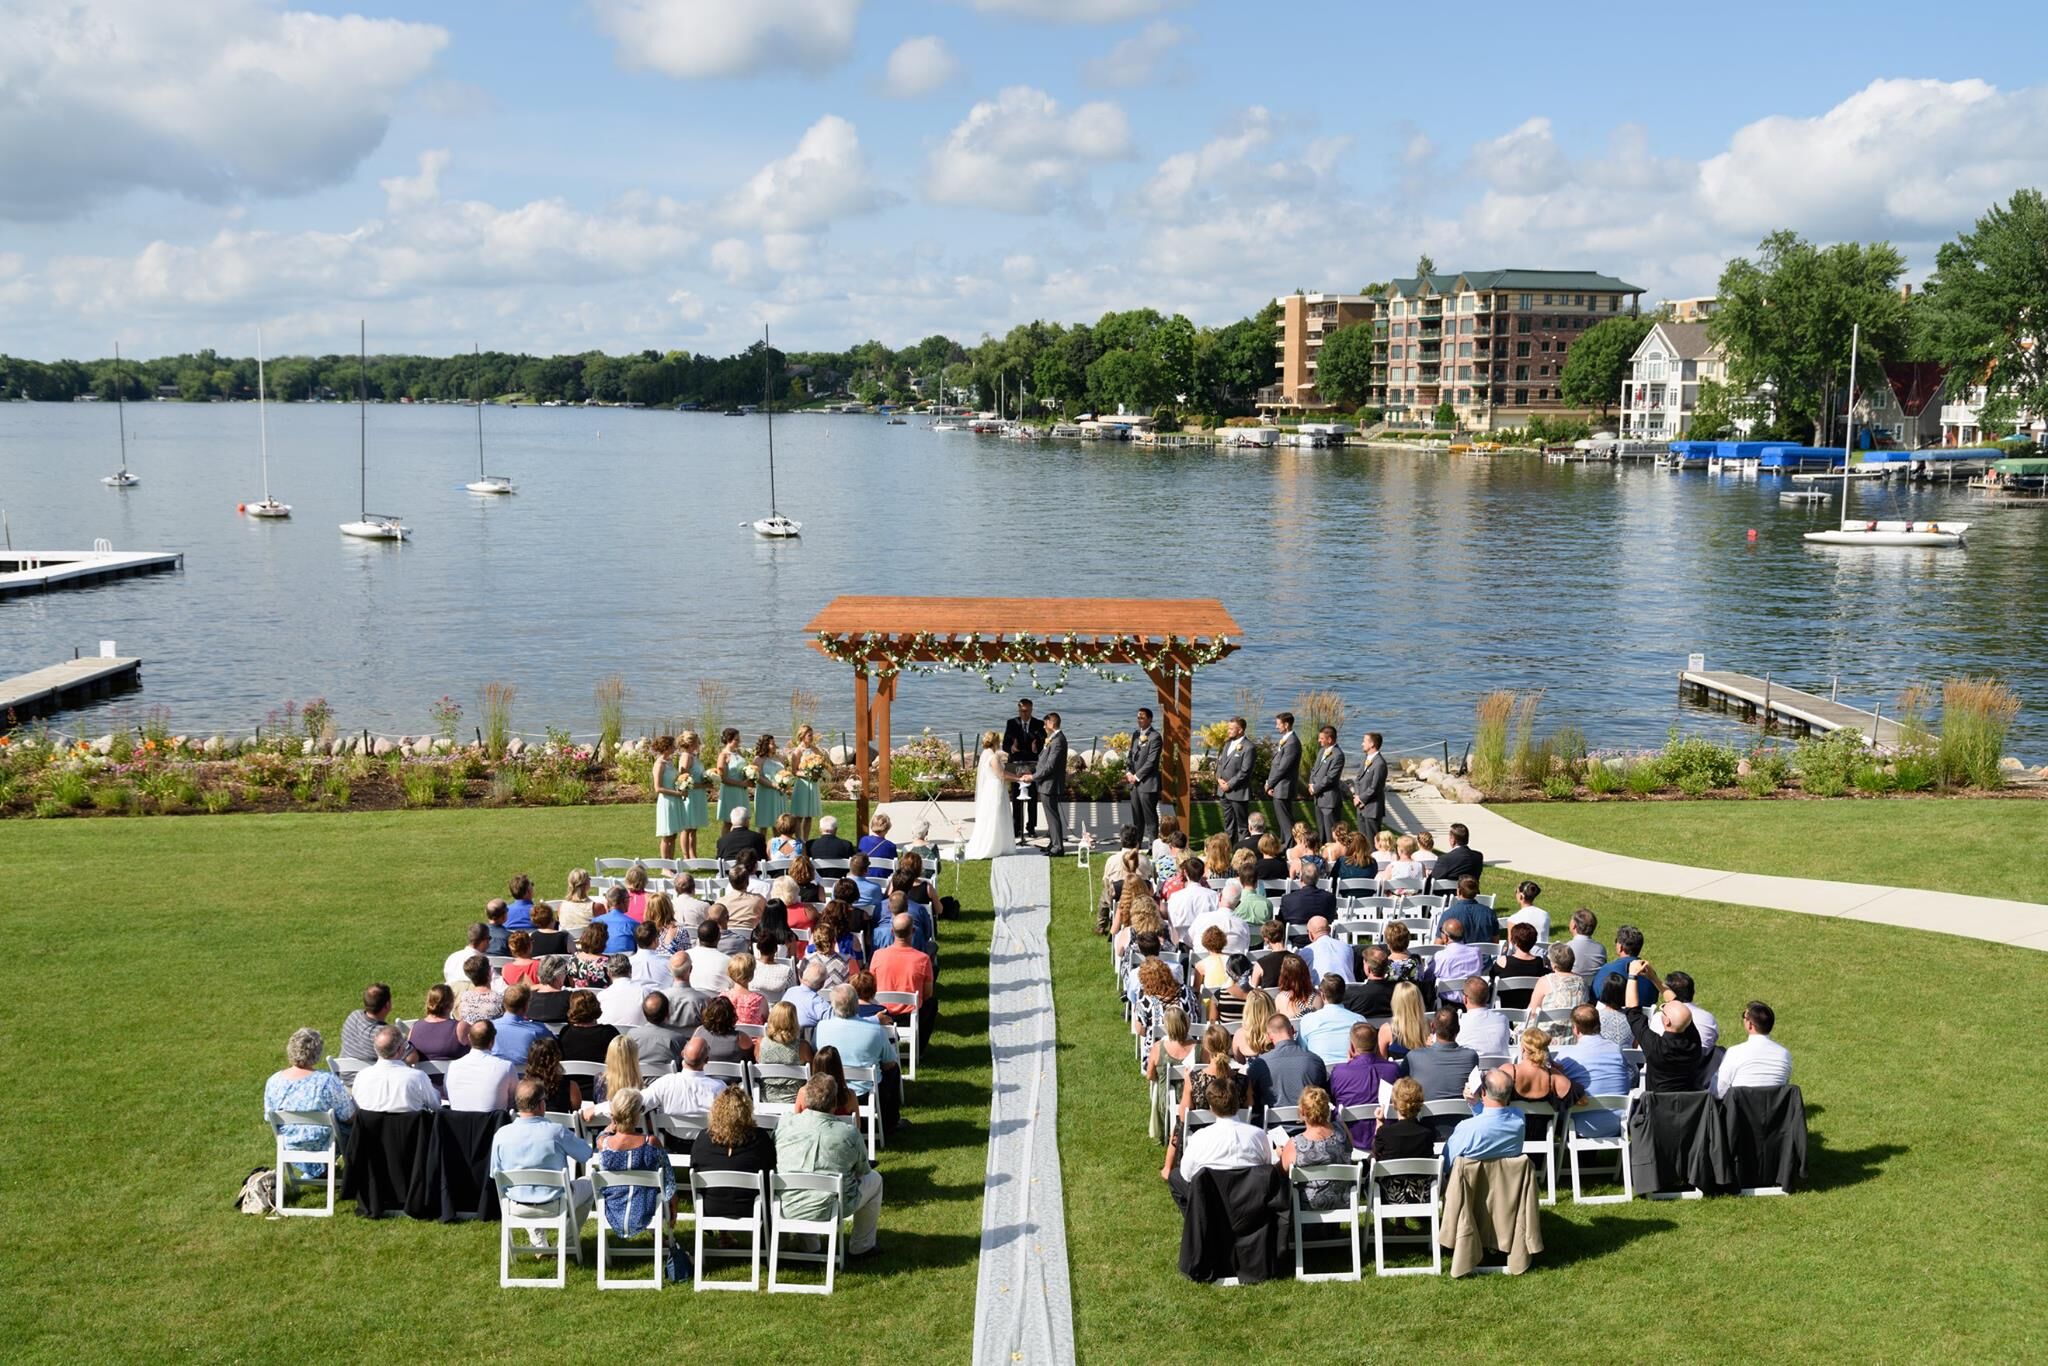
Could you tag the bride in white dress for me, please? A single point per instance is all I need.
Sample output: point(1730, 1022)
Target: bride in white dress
point(992, 837)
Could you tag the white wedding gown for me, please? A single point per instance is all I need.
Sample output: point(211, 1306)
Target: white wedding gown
point(992, 837)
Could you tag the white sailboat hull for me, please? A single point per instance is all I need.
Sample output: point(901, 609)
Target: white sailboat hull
point(376, 529)
point(1923, 534)
point(120, 481)
point(492, 483)
point(270, 508)
point(778, 528)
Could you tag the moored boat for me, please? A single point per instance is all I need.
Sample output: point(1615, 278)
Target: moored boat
point(1932, 535)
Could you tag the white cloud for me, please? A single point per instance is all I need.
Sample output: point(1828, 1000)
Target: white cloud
point(1139, 59)
point(919, 66)
point(1074, 11)
point(697, 39)
point(403, 193)
point(1019, 153)
point(825, 178)
point(216, 100)
point(736, 260)
point(1522, 160)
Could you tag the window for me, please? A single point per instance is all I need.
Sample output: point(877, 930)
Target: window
point(1464, 348)
point(1612, 300)
point(1578, 301)
point(1546, 301)
point(1523, 303)
point(1521, 398)
point(1521, 348)
point(1544, 346)
point(1396, 350)
point(1522, 325)
point(1399, 308)
point(1464, 372)
point(1542, 369)
point(1521, 372)
point(1464, 396)
point(1465, 326)
point(1653, 366)
point(1500, 372)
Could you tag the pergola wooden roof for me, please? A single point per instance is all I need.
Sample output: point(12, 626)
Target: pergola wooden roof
point(1167, 638)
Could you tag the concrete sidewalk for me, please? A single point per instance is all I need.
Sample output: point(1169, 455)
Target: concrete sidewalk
point(1515, 847)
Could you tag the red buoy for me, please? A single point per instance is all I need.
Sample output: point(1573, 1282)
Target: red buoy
point(244, 507)
point(1752, 533)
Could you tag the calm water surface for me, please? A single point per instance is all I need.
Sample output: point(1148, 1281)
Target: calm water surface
point(1408, 582)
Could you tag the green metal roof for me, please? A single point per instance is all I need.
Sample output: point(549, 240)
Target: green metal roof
point(1548, 280)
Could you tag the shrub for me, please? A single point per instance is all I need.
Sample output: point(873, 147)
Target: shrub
point(1976, 714)
point(1770, 767)
point(123, 748)
point(317, 719)
point(112, 798)
point(1694, 764)
point(1693, 783)
point(336, 791)
point(507, 785)
point(497, 711)
point(217, 800)
point(1312, 711)
point(1826, 763)
point(1872, 777)
point(1523, 761)
point(1915, 771)
point(50, 806)
point(419, 785)
point(72, 790)
point(1602, 778)
point(571, 792)
point(1560, 787)
point(611, 715)
point(1645, 777)
point(1756, 784)
point(1490, 740)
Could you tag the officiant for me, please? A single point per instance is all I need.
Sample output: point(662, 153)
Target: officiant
point(1023, 741)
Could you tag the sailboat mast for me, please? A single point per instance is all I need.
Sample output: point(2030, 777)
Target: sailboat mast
point(362, 420)
point(768, 406)
point(121, 406)
point(262, 417)
point(478, 382)
point(1849, 436)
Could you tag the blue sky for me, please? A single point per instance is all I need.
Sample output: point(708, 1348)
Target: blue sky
point(673, 173)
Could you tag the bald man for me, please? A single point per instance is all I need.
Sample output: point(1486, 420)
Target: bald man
point(1674, 1058)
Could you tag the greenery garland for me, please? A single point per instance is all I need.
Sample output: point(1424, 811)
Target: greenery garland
point(1172, 657)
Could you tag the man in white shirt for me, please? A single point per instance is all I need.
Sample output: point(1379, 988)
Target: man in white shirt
point(1758, 1060)
point(1190, 903)
point(1327, 956)
point(479, 943)
point(479, 1079)
point(1678, 986)
point(1527, 912)
point(1229, 1144)
point(690, 910)
point(1481, 1028)
point(685, 1091)
point(1237, 935)
point(650, 965)
point(387, 1085)
point(707, 963)
point(618, 1005)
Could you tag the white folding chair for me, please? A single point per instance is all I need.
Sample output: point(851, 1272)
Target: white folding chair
point(562, 1222)
point(1344, 1217)
point(870, 1112)
point(905, 1026)
point(881, 865)
point(347, 1069)
point(614, 868)
point(1444, 886)
point(731, 1073)
point(600, 1180)
point(328, 1157)
point(1544, 1147)
point(765, 1072)
point(1383, 1211)
point(754, 1225)
point(752, 1031)
point(786, 1226)
point(1348, 1115)
point(1459, 1108)
point(1576, 1143)
point(676, 1133)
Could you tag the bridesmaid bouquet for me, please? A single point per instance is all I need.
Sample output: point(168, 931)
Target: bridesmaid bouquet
point(813, 766)
point(752, 773)
point(784, 782)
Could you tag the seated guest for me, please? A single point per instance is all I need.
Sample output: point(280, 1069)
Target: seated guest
point(635, 882)
point(1588, 953)
point(669, 938)
point(1425, 852)
point(1536, 1077)
point(1408, 1029)
point(303, 1084)
point(549, 1003)
point(1455, 961)
point(689, 907)
point(774, 973)
point(1481, 926)
point(1359, 1079)
point(435, 1036)
point(533, 1142)
point(1385, 845)
point(657, 1039)
point(748, 1005)
point(1243, 896)
point(1356, 862)
point(1482, 1029)
point(1175, 1044)
point(1628, 947)
point(1402, 966)
point(1273, 954)
point(1404, 867)
point(1400, 1134)
point(621, 1069)
point(867, 894)
point(1197, 1091)
point(1302, 852)
point(618, 921)
point(1759, 1060)
point(648, 965)
point(828, 847)
point(1672, 1057)
point(1318, 1144)
point(719, 1031)
point(1614, 1024)
point(731, 1142)
point(707, 964)
point(1561, 988)
point(799, 885)
point(480, 1079)
point(825, 1063)
point(685, 1002)
point(1309, 901)
point(591, 967)
point(1215, 853)
point(903, 967)
point(782, 1044)
point(1678, 986)
point(544, 1065)
point(807, 996)
point(1194, 900)
point(1284, 1068)
point(1169, 862)
point(629, 1211)
point(1326, 1030)
point(1229, 1144)
point(586, 1037)
point(547, 937)
point(388, 1086)
point(783, 844)
point(1374, 997)
point(741, 906)
point(494, 916)
point(876, 843)
point(739, 838)
point(519, 903)
point(359, 1030)
point(1518, 960)
point(1326, 955)
point(575, 910)
point(479, 944)
point(1459, 860)
point(1445, 1070)
point(1127, 867)
point(824, 951)
point(1254, 831)
point(862, 1043)
point(1272, 864)
point(1211, 968)
point(516, 1032)
point(1595, 1067)
point(1527, 912)
point(1497, 1131)
point(811, 1140)
point(618, 1003)
point(1296, 989)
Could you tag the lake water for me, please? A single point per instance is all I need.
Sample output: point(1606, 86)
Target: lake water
point(1408, 582)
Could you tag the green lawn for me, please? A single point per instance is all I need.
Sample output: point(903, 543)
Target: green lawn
point(1985, 847)
point(1921, 1237)
point(151, 1011)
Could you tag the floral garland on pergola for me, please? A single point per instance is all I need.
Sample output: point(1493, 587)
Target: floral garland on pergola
point(1171, 656)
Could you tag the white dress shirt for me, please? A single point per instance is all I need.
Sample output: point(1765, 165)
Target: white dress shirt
point(1327, 955)
point(690, 912)
point(1189, 905)
point(707, 972)
point(1228, 1144)
point(452, 973)
point(1486, 1032)
point(1237, 936)
point(479, 1081)
point(389, 1086)
point(1533, 916)
point(651, 968)
point(618, 1005)
point(681, 1092)
point(1759, 1060)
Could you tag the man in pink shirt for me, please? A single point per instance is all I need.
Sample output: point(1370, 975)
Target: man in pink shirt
point(902, 966)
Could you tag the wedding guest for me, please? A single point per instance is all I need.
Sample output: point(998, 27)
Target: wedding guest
point(591, 967)
point(358, 1031)
point(1402, 966)
point(731, 1142)
point(550, 1001)
point(1302, 847)
point(1272, 866)
point(1404, 867)
point(436, 1036)
point(876, 843)
point(1406, 1032)
point(635, 882)
point(544, 1065)
point(743, 907)
point(547, 937)
point(781, 1044)
point(494, 916)
point(1527, 912)
point(479, 943)
point(1519, 960)
point(669, 936)
point(1425, 851)
point(718, 1028)
point(519, 903)
point(585, 1038)
point(618, 920)
point(749, 1006)
point(1318, 1144)
point(479, 1000)
point(1358, 1079)
point(575, 910)
point(522, 968)
point(828, 847)
point(1401, 1135)
point(629, 1211)
point(1560, 989)
point(480, 1079)
point(783, 844)
point(305, 1085)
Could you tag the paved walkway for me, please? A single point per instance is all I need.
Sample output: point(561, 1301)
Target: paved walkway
point(1513, 846)
point(1023, 1310)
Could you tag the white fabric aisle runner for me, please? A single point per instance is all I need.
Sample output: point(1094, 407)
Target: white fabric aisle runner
point(1023, 1309)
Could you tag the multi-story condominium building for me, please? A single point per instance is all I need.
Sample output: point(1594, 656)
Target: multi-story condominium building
point(1663, 384)
point(1492, 343)
point(1693, 310)
point(1305, 319)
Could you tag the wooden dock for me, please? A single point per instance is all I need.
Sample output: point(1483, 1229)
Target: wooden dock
point(66, 684)
point(40, 571)
point(1770, 703)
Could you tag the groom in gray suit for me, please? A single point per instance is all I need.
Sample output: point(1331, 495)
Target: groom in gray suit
point(1050, 778)
point(1370, 791)
point(1284, 777)
point(1142, 773)
point(1234, 781)
point(1326, 783)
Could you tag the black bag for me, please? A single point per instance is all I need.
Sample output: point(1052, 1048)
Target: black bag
point(949, 908)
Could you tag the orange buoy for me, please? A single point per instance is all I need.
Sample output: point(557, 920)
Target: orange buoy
point(244, 507)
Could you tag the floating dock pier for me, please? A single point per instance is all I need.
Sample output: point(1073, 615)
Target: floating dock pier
point(41, 571)
point(1769, 703)
point(66, 684)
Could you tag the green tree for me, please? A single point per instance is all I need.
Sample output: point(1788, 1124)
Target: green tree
point(1172, 345)
point(1127, 378)
point(1445, 416)
point(1713, 414)
point(1424, 266)
point(1985, 311)
point(1344, 366)
point(1598, 363)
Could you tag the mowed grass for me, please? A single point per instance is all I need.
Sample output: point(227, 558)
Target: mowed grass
point(1980, 846)
point(161, 965)
point(1921, 1236)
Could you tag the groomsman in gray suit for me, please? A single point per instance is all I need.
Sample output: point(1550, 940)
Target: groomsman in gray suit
point(1050, 778)
point(1234, 780)
point(1283, 780)
point(1142, 773)
point(1370, 791)
point(1326, 783)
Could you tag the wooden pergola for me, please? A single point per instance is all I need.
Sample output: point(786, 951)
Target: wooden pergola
point(1166, 639)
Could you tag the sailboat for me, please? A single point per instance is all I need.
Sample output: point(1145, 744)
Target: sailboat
point(369, 526)
point(121, 479)
point(775, 526)
point(269, 507)
point(1939, 535)
point(485, 483)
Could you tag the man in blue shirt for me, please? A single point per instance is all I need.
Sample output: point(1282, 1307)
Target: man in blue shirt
point(805, 997)
point(519, 909)
point(1326, 1030)
point(534, 1143)
point(899, 903)
point(1496, 1131)
point(1482, 926)
point(1628, 946)
point(863, 1043)
point(516, 1033)
point(618, 929)
point(1596, 1068)
point(868, 892)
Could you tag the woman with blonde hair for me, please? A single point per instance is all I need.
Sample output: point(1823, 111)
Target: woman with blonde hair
point(1138, 915)
point(635, 882)
point(782, 1043)
point(1383, 851)
point(1175, 1044)
point(812, 768)
point(1162, 839)
point(782, 841)
point(748, 1005)
point(575, 909)
point(1425, 851)
point(622, 1147)
point(1303, 847)
point(1536, 1077)
point(1250, 1039)
point(1402, 1135)
point(1216, 854)
point(668, 798)
point(1318, 1144)
point(1406, 1030)
point(621, 1068)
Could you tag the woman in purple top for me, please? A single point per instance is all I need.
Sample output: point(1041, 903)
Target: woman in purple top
point(435, 1036)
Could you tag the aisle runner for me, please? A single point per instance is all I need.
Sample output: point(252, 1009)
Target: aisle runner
point(1022, 1310)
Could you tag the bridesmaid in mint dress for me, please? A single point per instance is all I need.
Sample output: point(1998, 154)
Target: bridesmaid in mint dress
point(733, 788)
point(769, 801)
point(668, 798)
point(805, 802)
point(689, 745)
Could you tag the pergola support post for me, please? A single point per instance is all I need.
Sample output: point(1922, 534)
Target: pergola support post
point(860, 749)
point(1174, 685)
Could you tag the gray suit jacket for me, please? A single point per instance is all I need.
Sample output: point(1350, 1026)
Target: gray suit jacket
point(1143, 762)
point(1051, 773)
point(1234, 771)
point(1371, 788)
point(1285, 775)
point(1326, 779)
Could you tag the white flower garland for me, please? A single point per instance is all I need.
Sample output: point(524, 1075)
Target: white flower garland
point(1022, 652)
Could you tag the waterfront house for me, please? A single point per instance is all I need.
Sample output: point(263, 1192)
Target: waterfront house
point(1663, 386)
